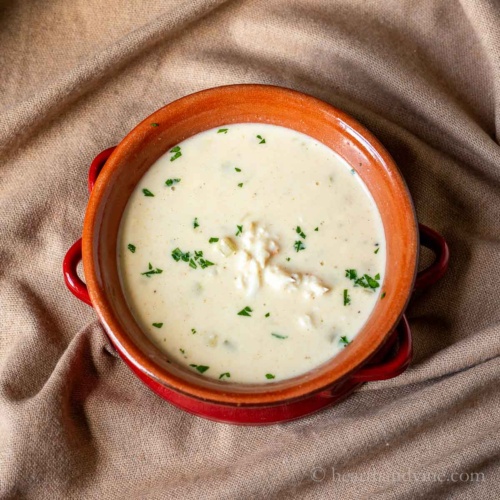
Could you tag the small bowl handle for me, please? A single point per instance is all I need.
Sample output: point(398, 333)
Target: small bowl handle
point(74, 255)
point(75, 285)
point(435, 242)
point(96, 166)
point(395, 364)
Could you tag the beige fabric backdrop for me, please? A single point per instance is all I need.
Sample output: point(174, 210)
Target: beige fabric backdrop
point(76, 76)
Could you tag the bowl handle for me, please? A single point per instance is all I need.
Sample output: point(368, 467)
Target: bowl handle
point(74, 255)
point(393, 365)
point(96, 166)
point(435, 242)
point(75, 285)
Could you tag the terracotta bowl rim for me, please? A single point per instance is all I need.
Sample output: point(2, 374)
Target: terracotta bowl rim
point(223, 395)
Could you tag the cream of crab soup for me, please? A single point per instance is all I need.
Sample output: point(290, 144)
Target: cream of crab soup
point(251, 253)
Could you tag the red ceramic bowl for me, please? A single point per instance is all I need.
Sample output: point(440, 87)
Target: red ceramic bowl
point(381, 350)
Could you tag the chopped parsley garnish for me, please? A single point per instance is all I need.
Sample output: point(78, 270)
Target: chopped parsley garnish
point(316, 228)
point(376, 251)
point(267, 315)
point(147, 192)
point(245, 312)
point(262, 140)
point(151, 271)
point(193, 331)
point(200, 368)
point(352, 274)
point(299, 231)
point(240, 184)
point(205, 263)
point(196, 223)
point(240, 230)
point(222, 131)
point(177, 153)
point(288, 259)
point(226, 374)
point(237, 169)
point(155, 124)
point(198, 256)
point(183, 351)
point(343, 340)
point(213, 240)
point(178, 255)
point(383, 295)
point(198, 259)
point(347, 299)
point(131, 247)
point(278, 336)
point(157, 325)
point(270, 376)
point(171, 182)
point(365, 281)
point(298, 245)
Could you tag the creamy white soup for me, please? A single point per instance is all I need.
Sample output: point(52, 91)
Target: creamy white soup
point(251, 253)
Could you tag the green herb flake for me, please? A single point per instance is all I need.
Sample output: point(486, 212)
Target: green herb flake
point(267, 315)
point(222, 131)
point(245, 312)
point(298, 245)
point(270, 376)
point(226, 374)
point(155, 124)
point(131, 247)
point(316, 228)
point(383, 295)
point(347, 299)
point(288, 259)
point(205, 263)
point(193, 331)
point(182, 351)
point(178, 255)
point(240, 184)
point(352, 274)
point(157, 325)
point(195, 261)
point(278, 336)
point(343, 341)
point(200, 368)
point(240, 230)
point(151, 271)
point(196, 223)
point(237, 169)
point(213, 240)
point(365, 281)
point(376, 251)
point(147, 192)
point(171, 182)
point(371, 282)
point(177, 153)
point(262, 140)
point(299, 231)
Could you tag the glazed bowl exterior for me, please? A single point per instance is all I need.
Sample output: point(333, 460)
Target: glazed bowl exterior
point(125, 165)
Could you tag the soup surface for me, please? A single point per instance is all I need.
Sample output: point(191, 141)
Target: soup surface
point(251, 253)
